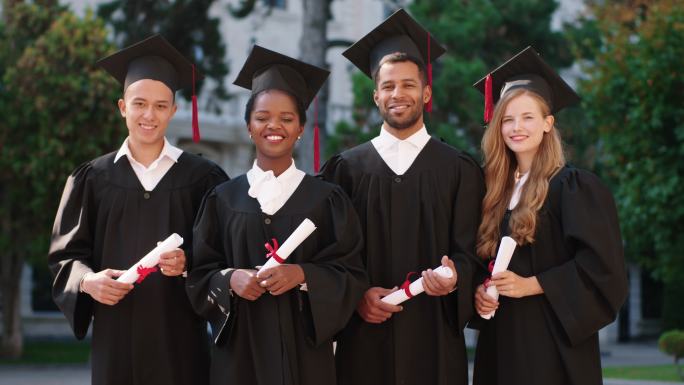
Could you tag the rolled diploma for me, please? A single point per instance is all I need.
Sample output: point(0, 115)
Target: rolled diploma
point(152, 258)
point(295, 239)
point(503, 258)
point(416, 287)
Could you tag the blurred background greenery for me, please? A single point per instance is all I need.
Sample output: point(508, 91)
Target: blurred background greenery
point(625, 57)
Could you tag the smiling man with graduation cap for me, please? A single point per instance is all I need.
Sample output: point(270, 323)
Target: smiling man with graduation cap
point(419, 203)
point(113, 211)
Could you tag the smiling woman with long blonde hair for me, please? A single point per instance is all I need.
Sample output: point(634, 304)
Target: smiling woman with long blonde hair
point(566, 278)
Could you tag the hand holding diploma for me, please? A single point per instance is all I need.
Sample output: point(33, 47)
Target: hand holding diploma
point(104, 288)
point(446, 282)
point(503, 258)
point(278, 254)
point(148, 263)
point(373, 309)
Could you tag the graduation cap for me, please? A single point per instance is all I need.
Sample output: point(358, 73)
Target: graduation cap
point(526, 70)
point(154, 58)
point(266, 70)
point(398, 33)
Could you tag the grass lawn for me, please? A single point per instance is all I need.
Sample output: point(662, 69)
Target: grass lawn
point(53, 352)
point(653, 373)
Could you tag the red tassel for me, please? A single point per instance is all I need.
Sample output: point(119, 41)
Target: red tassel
point(195, 118)
point(316, 139)
point(428, 105)
point(489, 100)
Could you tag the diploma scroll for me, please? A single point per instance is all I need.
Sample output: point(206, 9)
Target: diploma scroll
point(279, 254)
point(145, 265)
point(415, 288)
point(503, 258)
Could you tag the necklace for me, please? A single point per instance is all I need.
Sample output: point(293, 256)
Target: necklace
point(517, 175)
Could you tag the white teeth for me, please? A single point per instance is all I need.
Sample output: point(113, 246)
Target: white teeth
point(274, 137)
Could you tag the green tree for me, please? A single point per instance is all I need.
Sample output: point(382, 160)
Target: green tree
point(184, 23)
point(478, 36)
point(634, 100)
point(58, 110)
point(672, 343)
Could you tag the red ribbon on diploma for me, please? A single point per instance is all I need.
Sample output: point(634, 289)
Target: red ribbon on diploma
point(143, 272)
point(490, 268)
point(273, 251)
point(407, 283)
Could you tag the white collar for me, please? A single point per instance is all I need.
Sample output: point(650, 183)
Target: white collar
point(273, 191)
point(168, 150)
point(517, 191)
point(418, 139)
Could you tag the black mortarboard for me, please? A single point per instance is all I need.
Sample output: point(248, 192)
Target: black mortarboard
point(526, 70)
point(398, 33)
point(267, 70)
point(154, 58)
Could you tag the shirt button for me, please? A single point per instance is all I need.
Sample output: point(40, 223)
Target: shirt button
point(397, 179)
point(146, 195)
point(267, 221)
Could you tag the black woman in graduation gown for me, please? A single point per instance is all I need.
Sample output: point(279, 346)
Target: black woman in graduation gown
point(414, 218)
point(107, 220)
point(567, 278)
point(276, 328)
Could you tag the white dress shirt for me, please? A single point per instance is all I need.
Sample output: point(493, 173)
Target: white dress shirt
point(399, 154)
point(273, 191)
point(150, 176)
point(517, 191)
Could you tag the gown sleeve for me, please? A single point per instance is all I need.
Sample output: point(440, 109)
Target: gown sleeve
point(335, 276)
point(208, 281)
point(465, 223)
point(586, 292)
point(214, 177)
point(71, 249)
point(335, 170)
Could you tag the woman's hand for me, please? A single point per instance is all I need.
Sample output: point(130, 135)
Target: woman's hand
point(512, 285)
point(484, 304)
point(244, 283)
point(279, 279)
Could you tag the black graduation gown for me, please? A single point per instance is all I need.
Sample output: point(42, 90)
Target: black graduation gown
point(107, 220)
point(578, 259)
point(409, 223)
point(285, 339)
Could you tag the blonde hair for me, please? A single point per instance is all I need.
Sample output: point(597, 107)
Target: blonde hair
point(499, 168)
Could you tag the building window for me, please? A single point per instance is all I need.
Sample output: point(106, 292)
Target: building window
point(278, 4)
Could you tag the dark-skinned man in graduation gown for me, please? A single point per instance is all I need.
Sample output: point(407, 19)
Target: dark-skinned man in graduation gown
point(113, 211)
point(419, 204)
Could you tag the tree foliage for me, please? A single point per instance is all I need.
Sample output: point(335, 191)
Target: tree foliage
point(58, 110)
point(633, 98)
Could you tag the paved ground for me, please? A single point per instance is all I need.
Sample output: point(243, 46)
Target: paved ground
point(612, 355)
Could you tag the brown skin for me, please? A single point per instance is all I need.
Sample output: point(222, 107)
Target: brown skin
point(400, 95)
point(274, 126)
point(147, 106)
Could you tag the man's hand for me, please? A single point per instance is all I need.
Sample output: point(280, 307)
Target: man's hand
point(172, 263)
point(104, 288)
point(437, 285)
point(244, 283)
point(280, 279)
point(372, 309)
